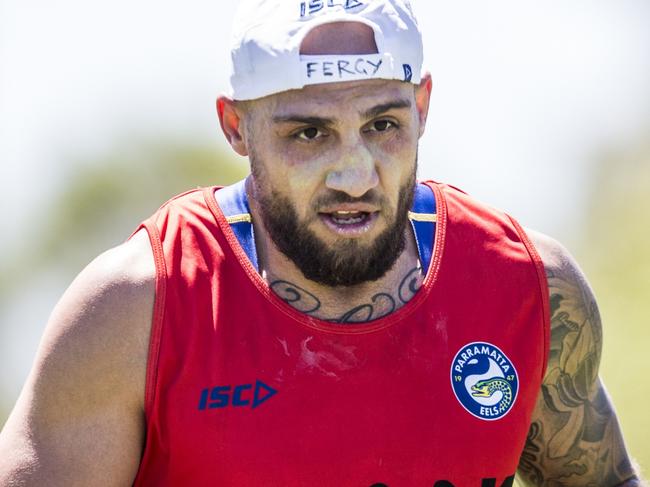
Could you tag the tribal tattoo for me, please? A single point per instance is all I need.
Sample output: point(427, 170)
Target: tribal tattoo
point(410, 285)
point(380, 305)
point(299, 298)
point(574, 438)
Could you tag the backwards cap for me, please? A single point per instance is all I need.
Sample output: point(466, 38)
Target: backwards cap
point(267, 35)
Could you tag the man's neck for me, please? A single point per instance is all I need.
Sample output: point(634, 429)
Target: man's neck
point(342, 304)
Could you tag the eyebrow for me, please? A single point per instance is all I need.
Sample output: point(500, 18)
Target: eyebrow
point(384, 107)
point(317, 121)
point(324, 121)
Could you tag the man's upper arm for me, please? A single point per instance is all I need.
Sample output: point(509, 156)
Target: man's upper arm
point(574, 437)
point(79, 419)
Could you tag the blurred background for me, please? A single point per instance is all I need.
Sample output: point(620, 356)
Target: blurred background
point(539, 108)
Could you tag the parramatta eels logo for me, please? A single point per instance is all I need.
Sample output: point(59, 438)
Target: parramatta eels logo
point(484, 380)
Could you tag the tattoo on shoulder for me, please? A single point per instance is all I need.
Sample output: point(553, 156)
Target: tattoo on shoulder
point(575, 438)
point(381, 304)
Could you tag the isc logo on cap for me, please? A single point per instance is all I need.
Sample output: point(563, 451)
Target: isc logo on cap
point(313, 6)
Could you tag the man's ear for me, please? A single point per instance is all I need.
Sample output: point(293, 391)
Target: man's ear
point(422, 97)
point(230, 118)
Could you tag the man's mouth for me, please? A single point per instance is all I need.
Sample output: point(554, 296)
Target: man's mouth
point(349, 222)
point(348, 217)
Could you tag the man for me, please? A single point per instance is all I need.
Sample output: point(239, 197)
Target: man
point(328, 321)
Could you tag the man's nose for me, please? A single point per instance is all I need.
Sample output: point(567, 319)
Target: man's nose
point(355, 172)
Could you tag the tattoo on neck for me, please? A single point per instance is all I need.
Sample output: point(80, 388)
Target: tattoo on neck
point(380, 305)
point(368, 312)
point(410, 285)
point(299, 298)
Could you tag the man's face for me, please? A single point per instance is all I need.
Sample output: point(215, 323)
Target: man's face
point(333, 170)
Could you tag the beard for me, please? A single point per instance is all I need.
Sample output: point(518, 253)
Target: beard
point(347, 262)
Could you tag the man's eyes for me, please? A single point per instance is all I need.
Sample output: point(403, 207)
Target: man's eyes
point(314, 133)
point(309, 133)
point(381, 125)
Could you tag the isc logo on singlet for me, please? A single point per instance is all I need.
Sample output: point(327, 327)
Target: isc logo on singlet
point(484, 380)
point(242, 395)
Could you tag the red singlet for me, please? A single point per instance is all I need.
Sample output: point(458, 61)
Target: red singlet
point(243, 390)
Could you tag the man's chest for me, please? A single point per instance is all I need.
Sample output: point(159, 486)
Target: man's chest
point(257, 399)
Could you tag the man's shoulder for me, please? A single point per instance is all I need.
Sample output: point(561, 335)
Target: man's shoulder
point(567, 284)
point(100, 327)
point(573, 310)
point(558, 261)
point(86, 388)
point(124, 275)
point(108, 308)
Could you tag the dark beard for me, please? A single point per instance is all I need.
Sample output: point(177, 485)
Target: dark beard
point(346, 263)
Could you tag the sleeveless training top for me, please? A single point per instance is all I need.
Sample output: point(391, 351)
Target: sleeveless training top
point(244, 390)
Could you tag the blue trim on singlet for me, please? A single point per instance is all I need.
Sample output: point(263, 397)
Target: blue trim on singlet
point(424, 202)
point(233, 201)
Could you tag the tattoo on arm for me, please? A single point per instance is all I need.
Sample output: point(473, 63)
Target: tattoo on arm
point(381, 304)
point(574, 438)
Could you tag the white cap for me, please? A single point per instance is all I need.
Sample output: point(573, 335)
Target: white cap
point(267, 35)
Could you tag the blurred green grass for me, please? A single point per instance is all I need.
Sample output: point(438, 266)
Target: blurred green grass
point(105, 198)
point(615, 254)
